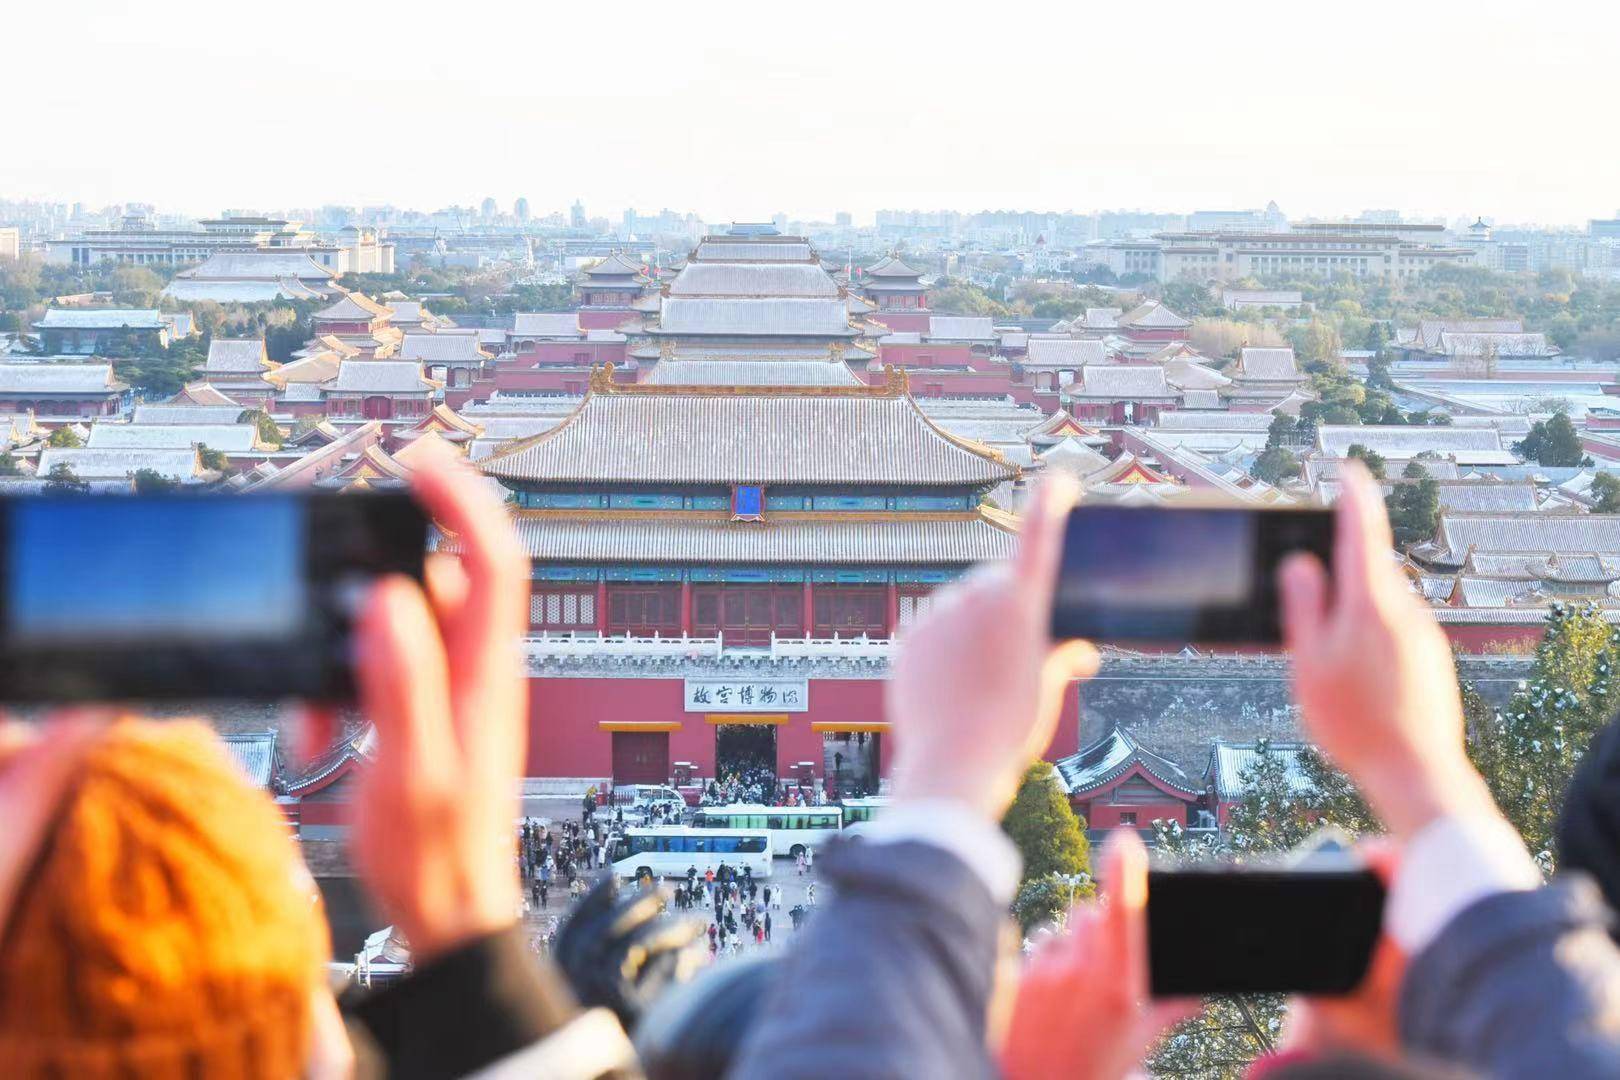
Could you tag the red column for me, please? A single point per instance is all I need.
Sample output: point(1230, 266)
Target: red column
point(601, 607)
point(892, 616)
point(809, 612)
point(686, 606)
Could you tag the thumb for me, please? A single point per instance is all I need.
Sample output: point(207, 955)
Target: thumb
point(1302, 585)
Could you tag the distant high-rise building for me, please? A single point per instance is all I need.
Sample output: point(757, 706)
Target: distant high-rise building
point(576, 214)
point(1604, 228)
point(520, 209)
point(488, 208)
point(844, 219)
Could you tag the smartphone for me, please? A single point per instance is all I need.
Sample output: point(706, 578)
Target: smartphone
point(1180, 574)
point(1243, 930)
point(178, 597)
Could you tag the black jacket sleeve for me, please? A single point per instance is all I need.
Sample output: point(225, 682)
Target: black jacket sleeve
point(462, 1011)
point(890, 978)
point(1522, 984)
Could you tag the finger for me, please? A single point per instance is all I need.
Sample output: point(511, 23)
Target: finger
point(447, 586)
point(404, 677)
point(1068, 662)
point(32, 787)
point(317, 727)
point(1362, 539)
point(457, 497)
point(1123, 942)
point(1302, 586)
point(1040, 539)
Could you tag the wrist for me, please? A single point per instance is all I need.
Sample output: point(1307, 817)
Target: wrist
point(458, 919)
point(1409, 797)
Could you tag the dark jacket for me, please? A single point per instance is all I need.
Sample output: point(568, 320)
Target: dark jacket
point(1522, 984)
point(893, 976)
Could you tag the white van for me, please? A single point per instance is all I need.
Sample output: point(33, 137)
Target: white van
point(668, 852)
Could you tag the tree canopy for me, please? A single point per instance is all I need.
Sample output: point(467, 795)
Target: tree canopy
point(1052, 841)
point(1553, 442)
point(1606, 487)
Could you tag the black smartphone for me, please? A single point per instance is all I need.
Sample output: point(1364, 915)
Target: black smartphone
point(1180, 574)
point(178, 597)
point(1241, 930)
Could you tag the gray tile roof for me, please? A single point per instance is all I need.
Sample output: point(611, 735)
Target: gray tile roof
point(443, 349)
point(825, 436)
point(753, 279)
point(52, 378)
point(1099, 318)
point(1428, 331)
point(236, 356)
point(756, 318)
point(1564, 534)
point(1120, 383)
point(1506, 345)
point(961, 328)
point(1229, 763)
point(615, 265)
point(711, 538)
point(380, 377)
point(762, 249)
point(1064, 352)
point(187, 414)
point(90, 464)
point(1113, 755)
point(891, 266)
point(546, 324)
point(1215, 421)
point(257, 264)
point(255, 752)
point(230, 438)
point(751, 373)
point(1153, 315)
point(1268, 365)
point(1406, 440)
point(102, 319)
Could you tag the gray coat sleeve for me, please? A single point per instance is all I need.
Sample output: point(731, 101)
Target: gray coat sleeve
point(890, 978)
point(1522, 984)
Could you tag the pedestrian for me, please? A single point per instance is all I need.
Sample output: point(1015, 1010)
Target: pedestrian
point(759, 933)
point(809, 859)
point(534, 892)
point(766, 922)
point(544, 888)
point(810, 894)
point(798, 863)
point(767, 896)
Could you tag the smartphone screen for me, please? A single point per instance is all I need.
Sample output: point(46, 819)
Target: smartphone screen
point(1179, 574)
point(1241, 931)
point(181, 596)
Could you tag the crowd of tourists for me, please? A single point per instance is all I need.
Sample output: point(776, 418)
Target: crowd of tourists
point(558, 859)
point(757, 786)
point(158, 921)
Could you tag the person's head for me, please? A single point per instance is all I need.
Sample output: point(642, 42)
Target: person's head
point(168, 927)
point(1588, 833)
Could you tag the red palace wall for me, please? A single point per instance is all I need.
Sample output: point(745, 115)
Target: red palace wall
point(566, 737)
point(930, 356)
point(594, 353)
point(904, 322)
point(603, 318)
point(1102, 815)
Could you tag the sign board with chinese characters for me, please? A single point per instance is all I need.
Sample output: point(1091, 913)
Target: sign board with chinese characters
point(747, 695)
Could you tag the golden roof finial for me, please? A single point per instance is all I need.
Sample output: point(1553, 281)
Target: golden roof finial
point(602, 379)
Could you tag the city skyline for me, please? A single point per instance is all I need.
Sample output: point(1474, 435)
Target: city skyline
point(1431, 111)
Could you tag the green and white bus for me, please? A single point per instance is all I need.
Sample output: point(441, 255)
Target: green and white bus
point(793, 829)
point(670, 850)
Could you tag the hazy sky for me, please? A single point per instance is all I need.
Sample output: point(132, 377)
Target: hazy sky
point(738, 110)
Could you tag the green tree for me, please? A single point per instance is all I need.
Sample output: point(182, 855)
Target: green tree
point(1048, 833)
point(8, 465)
point(1528, 751)
point(1414, 505)
point(152, 482)
point(212, 459)
point(1282, 432)
point(64, 481)
point(1553, 442)
point(1606, 487)
point(269, 432)
point(1046, 901)
point(1274, 465)
point(1371, 458)
point(64, 438)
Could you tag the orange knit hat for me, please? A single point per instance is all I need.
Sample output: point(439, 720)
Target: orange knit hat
point(169, 929)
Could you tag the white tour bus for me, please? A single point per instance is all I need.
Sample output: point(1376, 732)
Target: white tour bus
point(670, 850)
point(793, 828)
point(859, 810)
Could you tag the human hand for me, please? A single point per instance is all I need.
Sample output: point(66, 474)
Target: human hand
point(1364, 1020)
point(441, 678)
point(977, 683)
point(1373, 673)
point(1082, 1009)
point(37, 767)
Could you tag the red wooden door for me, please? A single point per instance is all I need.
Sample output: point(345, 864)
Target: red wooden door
point(640, 757)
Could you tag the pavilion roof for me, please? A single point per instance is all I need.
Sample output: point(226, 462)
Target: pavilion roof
point(792, 316)
point(1064, 352)
point(381, 377)
point(442, 348)
point(757, 434)
point(891, 266)
point(1113, 756)
point(354, 307)
point(53, 378)
point(1115, 382)
point(615, 265)
point(1153, 315)
point(237, 356)
point(1268, 365)
point(708, 538)
point(732, 279)
point(1230, 763)
point(753, 249)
